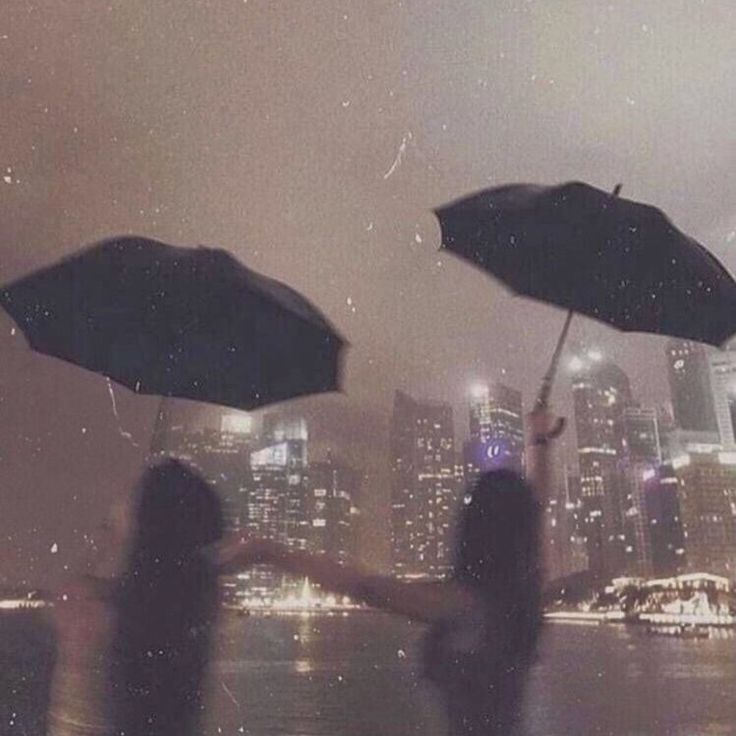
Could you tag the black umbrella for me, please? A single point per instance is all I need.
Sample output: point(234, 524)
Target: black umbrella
point(185, 322)
point(591, 252)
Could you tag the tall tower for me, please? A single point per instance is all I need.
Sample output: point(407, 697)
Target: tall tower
point(424, 488)
point(332, 489)
point(601, 392)
point(642, 455)
point(664, 539)
point(277, 507)
point(707, 501)
point(723, 383)
point(277, 502)
point(689, 379)
point(496, 429)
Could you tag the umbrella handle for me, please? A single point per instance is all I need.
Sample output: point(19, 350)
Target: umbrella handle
point(549, 377)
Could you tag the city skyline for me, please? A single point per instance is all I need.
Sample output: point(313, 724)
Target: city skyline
point(633, 505)
point(251, 424)
point(236, 127)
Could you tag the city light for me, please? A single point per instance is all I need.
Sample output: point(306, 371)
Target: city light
point(236, 423)
point(727, 458)
point(680, 462)
point(479, 390)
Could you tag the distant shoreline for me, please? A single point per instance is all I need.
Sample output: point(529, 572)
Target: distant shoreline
point(649, 619)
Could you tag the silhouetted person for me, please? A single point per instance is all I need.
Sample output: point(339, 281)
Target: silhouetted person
point(485, 619)
point(479, 658)
point(167, 605)
point(134, 644)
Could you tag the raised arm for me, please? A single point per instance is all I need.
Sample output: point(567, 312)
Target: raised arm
point(542, 429)
point(416, 600)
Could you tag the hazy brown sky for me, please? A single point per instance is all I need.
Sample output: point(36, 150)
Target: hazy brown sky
point(312, 138)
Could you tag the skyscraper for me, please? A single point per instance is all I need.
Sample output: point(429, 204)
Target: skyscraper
point(601, 392)
point(332, 490)
point(238, 423)
point(641, 441)
point(723, 384)
point(689, 379)
point(707, 499)
point(277, 507)
point(496, 429)
point(278, 427)
point(563, 546)
point(277, 500)
point(424, 489)
point(642, 453)
point(664, 551)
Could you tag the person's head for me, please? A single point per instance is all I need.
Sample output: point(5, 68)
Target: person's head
point(497, 540)
point(176, 513)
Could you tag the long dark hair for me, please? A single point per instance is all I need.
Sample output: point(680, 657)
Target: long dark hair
point(167, 603)
point(497, 551)
point(479, 661)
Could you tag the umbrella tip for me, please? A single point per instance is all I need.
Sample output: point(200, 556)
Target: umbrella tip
point(617, 190)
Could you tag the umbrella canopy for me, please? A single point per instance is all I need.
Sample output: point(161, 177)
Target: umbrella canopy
point(589, 251)
point(187, 322)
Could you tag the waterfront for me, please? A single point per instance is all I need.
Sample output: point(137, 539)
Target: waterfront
point(357, 674)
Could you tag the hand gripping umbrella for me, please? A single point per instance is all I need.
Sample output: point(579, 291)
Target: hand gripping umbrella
point(592, 252)
point(178, 322)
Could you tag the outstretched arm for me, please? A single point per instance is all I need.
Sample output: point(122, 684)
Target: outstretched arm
point(419, 601)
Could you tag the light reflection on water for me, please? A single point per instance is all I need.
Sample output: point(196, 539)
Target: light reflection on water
point(360, 675)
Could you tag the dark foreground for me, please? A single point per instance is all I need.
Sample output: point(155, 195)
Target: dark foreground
point(332, 676)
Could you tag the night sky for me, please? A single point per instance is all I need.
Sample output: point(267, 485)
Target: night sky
point(312, 139)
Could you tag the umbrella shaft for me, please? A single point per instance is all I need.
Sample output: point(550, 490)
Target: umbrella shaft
point(549, 376)
point(160, 428)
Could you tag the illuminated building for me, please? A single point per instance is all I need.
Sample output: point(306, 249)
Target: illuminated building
point(601, 392)
point(565, 551)
point(496, 429)
point(707, 499)
point(424, 488)
point(642, 452)
point(663, 552)
point(332, 489)
point(689, 379)
point(723, 383)
point(641, 435)
point(277, 506)
point(237, 423)
point(278, 427)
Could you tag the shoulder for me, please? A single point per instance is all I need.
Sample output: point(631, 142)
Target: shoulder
point(82, 600)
